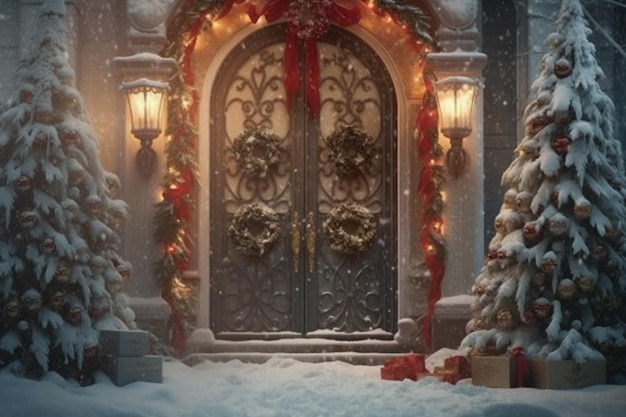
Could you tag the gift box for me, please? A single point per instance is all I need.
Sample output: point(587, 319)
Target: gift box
point(564, 374)
point(124, 343)
point(124, 370)
point(458, 365)
point(403, 367)
point(495, 371)
point(446, 375)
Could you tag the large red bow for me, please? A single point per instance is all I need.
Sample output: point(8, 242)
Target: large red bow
point(308, 20)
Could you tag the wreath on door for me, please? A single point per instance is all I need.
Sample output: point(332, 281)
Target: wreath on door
point(257, 151)
point(255, 228)
point(351, 150)
point(350, 228)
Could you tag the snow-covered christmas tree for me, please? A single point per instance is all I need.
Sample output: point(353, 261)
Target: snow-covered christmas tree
point(554, 280)
point(61, 279)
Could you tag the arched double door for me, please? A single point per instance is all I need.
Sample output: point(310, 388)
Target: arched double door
point(303, 219)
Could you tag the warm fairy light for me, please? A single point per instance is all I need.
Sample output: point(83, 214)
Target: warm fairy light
point(171, 249)
point(432, 162)
point(186, 102)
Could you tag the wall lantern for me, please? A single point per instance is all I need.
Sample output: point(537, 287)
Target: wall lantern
point(145, 101)
point(456, 97)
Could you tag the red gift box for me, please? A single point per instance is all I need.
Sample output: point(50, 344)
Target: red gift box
point(459, 365)
point(408, 366)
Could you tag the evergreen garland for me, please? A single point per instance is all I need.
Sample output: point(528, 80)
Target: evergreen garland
point(172, 214)
point(432, 180)
point(411, 17)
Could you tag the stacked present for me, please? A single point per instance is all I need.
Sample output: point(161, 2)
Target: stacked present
point(413, 367)
point(125, 357)
point(515, 370)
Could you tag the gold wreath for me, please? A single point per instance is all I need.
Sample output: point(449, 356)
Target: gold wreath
point(350, 228)
point(257, 151)
point(254, 229)
point(351, 150)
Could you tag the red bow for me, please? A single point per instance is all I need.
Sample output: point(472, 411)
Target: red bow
point(175, 195)
point(326, 12)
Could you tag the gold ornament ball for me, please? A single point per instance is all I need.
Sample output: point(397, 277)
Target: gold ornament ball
point(566, 289)
point(586, 284)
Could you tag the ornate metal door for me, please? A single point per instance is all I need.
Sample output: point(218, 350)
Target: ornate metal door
point(303, 209)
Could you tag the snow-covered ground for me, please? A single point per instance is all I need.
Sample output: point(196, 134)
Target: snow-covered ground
point(285, 387)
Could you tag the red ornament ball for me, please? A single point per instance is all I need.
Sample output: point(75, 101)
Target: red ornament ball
point(531, 232)
point(561, 144)
point(48, 246)
point(562, 68)
point(70, 137)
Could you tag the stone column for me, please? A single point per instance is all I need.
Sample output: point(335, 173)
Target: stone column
point(457, 37)
point(463, 218)
point(463, 215)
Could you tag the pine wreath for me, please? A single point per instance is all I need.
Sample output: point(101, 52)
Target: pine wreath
point(257, 151)
point(254, 229)
point(351, 150)
point(350, 228)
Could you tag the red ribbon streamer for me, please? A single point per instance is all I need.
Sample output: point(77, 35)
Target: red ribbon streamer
point(522, 365)
point(312, 66)
point(274, 10)
point(426, 124)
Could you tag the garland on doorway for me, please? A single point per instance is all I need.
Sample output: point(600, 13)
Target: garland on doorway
point(173, 213)
point(432, 179)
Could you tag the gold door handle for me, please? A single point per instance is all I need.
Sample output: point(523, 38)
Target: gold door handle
point(295, 240)
point(311, 241)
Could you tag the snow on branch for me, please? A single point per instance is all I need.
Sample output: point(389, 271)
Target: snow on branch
point(573, 346)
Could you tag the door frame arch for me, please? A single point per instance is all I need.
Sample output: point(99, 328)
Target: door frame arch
point(408, 253)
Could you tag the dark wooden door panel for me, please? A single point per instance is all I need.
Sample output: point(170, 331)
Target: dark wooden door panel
point(302, 285)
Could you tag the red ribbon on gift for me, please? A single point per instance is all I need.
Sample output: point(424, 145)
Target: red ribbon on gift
point(522, 365)
point(331, 12)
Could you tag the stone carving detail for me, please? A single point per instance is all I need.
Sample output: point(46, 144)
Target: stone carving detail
point(458, 24)
point(456, 14)
point(146, 15)
point(147, 28)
